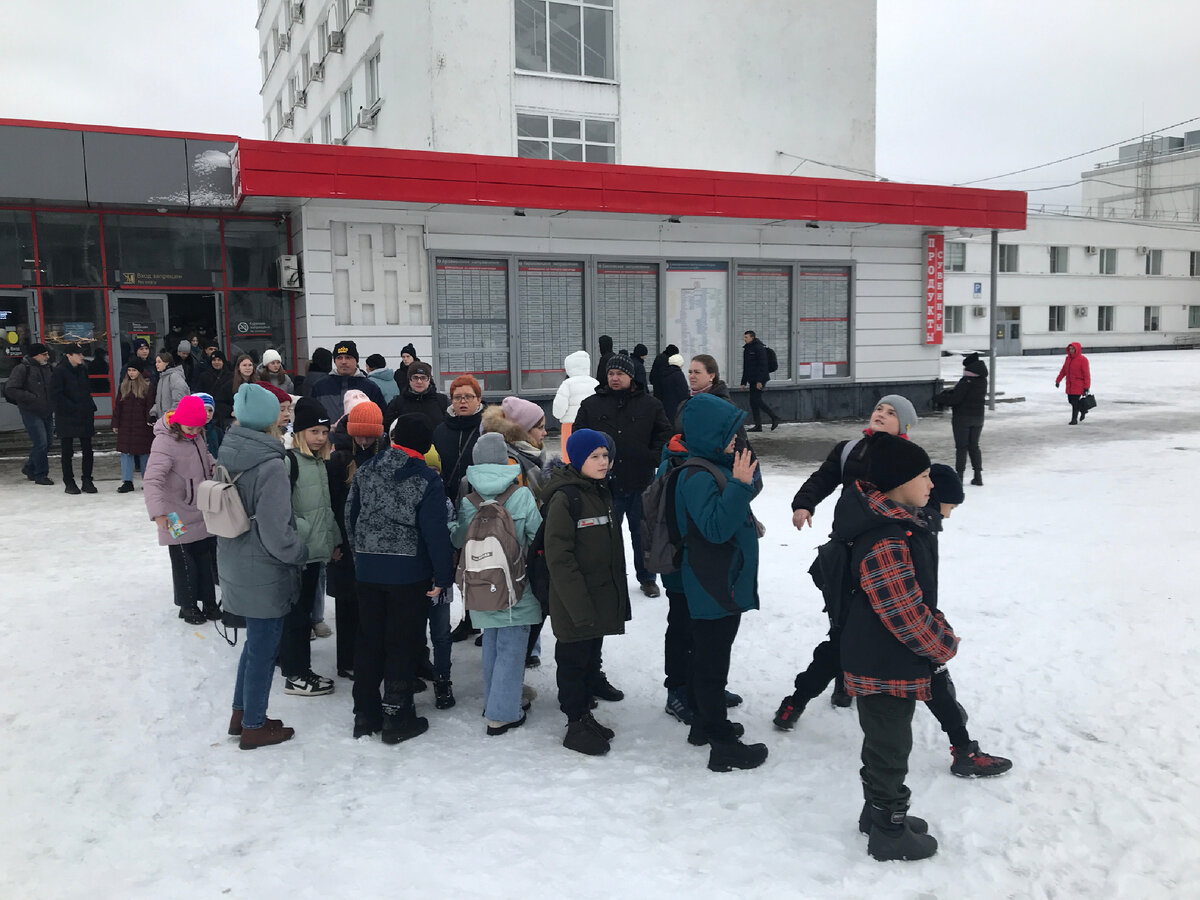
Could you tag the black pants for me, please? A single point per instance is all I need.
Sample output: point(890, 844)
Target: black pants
point(677, 643)
point(1076, 411)
point(712, 642)
point(758, 406)
point(68, 451)
point(535, 632)
point(192, 568)
point(576, 663)
point(966, 443)
point(346, 619)
point(390, 620)
point(826, 665)
point(295, 651)
point(887, 740)
point(947, 710)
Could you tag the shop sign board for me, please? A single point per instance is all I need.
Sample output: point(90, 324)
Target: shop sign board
point(935, 309)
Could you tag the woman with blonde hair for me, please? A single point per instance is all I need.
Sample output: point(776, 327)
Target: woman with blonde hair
point(131, 422)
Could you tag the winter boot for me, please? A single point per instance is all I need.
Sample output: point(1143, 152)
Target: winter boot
point(698, 736)
point(789, 711)
point(971, 762)
point(920, 826)
point(125, 488)
point(678, 706)
point(70, 487)
point(732, 699)
point(89, 486)
point(1074, 418)
point(725, 756)
point(212, 612)
point(192, 615)
point(443, 695)
point(893, 838)
point(365, 725)
point(602, 690)
point(235, 722)
point(590, 721)
point(463, 630)
point(840, 698)
point(961, 473)
point(403, 725)
point(272, 731)
point(528, 695)
point(582, 738)
point(978, 479)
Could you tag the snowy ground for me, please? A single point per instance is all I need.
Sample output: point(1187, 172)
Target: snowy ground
point(1064, 575)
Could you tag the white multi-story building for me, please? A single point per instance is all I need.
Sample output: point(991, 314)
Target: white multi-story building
point(1157, 178)
point(1108, 283)
point(776, 87)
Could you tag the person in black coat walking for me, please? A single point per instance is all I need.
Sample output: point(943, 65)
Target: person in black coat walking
point(31, 388)
point(756, 372)
point(967, 399)
point(217, 380)
point(659, 370)
point(639, 427)
point(75, 416)
point(606, 351)
point(673, 388)
point(639, 365)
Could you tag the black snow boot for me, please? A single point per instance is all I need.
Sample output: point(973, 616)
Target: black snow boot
point(366, 725)
point(789, 711)
point(443, 694)
point(125, 488)
point(725, 756)
point(400, 719)
point(601, 689)
point(698, 735)
point(978, 479)
point(892, 838)
point(840, 698)
point(89, 486)
point(920, 826)
point(605, 732)
point(582, 738)
point(70, 487)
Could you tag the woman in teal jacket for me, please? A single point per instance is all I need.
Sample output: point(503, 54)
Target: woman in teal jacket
point(720, 569)
point(505, 633)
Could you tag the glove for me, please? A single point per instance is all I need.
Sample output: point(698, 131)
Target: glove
point(444, 597)
point(1056, 384)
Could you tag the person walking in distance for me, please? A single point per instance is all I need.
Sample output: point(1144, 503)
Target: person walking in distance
point(1078, 373)
point(967, 399)
point(756, 372)
point(74, 417)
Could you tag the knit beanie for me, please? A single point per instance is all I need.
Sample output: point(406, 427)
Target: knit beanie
point(190, 412)
point(376, 361)
point(946, 486)
point(973, 365)
point(353, 398)
point(906, 413)
point(280, 394)
point(270, 356)
point(184, 348)
point(412, 432)
point(420, 368)
point(490, 448)
point(206, 399)
point(322, 361)
point(676, 360)
point(255, 407)
point(893, 461)
point(465, 381)
point(309, 414)
point(217, 354)
point(583, 443)
point(640, 351)
point(138, 342)
point(523, 412)
point(621, 362)
point(364, 419)
point(346, 348)
point(410, 350)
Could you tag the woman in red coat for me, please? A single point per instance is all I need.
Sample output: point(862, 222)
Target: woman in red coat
point(131, 422)
point(1078, 373)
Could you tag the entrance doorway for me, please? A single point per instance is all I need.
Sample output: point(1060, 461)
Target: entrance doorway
point(1008, 331)
point(18, 329)
point(164, 320)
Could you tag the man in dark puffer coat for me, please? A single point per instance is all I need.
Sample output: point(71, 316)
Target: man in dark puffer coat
point(420, 396)
point(967, 399)
point(75, 416)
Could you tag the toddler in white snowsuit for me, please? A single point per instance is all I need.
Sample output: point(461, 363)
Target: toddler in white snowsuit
point(576, 387)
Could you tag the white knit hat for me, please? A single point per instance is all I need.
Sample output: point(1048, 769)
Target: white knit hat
point(676, 359)
point(270, 356)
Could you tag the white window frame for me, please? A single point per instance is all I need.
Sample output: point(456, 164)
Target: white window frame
point(371, 71)
point(1153, 262)
point(265, 59)
point(551, 141)
point(1193, 317)
point(327, 127)
point(1194, 264)
point(279, 113)
point(955, 319)
point(1060, 258)
point(323, 37)
point(349, 115)
point(305, 66)
point(1009, 259)
point(1104, 318)
point(1108, 260)
point(541, 10)
point(956, 256)
point(1057, 319)
point(1152, 318)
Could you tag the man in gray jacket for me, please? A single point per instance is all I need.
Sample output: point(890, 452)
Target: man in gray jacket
point(29, 387)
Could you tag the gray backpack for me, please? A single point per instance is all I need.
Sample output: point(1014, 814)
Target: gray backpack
point(662, 544)
point(491, 567)
point(221, 505)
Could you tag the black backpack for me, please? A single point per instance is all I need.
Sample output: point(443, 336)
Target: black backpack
point(831, 572)
point(537, 571)
point(772, 360)
point(662, 544)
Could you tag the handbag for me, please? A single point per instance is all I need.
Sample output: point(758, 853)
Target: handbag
point(1087, 401)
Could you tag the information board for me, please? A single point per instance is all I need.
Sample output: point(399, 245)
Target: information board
point(823, 313)
point(764, 306)
point(472, 317)
point(697, 298)
point(627, 304)
point(550, 304)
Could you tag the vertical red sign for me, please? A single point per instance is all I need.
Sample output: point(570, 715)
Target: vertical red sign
point(935, 304)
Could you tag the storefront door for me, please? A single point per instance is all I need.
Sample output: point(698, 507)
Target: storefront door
point(18, 329)
point(138, 314)
point(1008, 331)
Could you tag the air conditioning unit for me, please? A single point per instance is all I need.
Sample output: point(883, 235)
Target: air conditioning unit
point(366, 117)
point(302, 99)
point(289, 272)
point(285, 42)
point(979, 312)
point(316, 72)
point(297, 12)
point(338, 142)
point(363, 5)
point(1142, 251)
point(288, 121)
point(1090, 251)
point(337, 41)
point(1080, 312)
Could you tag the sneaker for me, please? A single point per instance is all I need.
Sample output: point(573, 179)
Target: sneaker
point(729, 755)
point(495, 729)
point(697, 737)
point(272, 731)
point(650, 589)
point(775, 423)
point(583, 739)
point(602, 690)
point(787, 714)
point(443, 694)
point(971, 762)
point(308, 684)
point(756, 428)
point(732, 699)
point(920, 826)
point(607, 733)
point(89, 486)
point(70, 487)
point(125, 488)
point(321, 630)
point(45, 479)
point(532, 662)
point(677, 706)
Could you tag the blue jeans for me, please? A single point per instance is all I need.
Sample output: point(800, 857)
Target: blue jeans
point(629, 503)
point(256, 670)
point(127, 464)
point(504, 671)
point(39, 428)
point(318, 610)
point(439, 636)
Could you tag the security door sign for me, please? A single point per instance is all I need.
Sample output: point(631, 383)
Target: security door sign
point(935, 302)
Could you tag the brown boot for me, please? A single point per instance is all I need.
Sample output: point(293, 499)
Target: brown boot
point(272, 732)
point(235, 722)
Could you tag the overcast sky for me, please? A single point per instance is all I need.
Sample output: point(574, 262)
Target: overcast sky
point(966, 88)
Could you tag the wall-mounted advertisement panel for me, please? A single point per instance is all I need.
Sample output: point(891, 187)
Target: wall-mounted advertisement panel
point(697, 300)
point(472, 321)
point(627, 304)
point(550, 304)
point(823, 322)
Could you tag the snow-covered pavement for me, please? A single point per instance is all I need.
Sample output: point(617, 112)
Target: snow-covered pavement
point(1066, 576)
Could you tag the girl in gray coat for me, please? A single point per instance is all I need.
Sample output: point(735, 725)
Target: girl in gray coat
point(260, 569)
point(172, 385)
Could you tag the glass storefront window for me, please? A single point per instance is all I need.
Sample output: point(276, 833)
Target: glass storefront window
point(763, 298)
point(163, 251)
point(627, 305)
point(69, 248)
point(258, 321)
point(251, 249)
point(16, 247)
point(550, 300)
point(74, 317)
point(472, 321)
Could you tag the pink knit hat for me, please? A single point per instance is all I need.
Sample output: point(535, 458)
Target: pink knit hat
point(351, 399)
point(524, 413)
point(190, 412)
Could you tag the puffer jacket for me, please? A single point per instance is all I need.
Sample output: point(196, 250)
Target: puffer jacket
point(281, 380)
point(74, 408)
point(386, 379)
point(313, 508)
point(330, 391)
point(491, 480)
point(260, 569)
point(576, 387)
point(429, 403)
point(589, 593)
point(175, 469)
point(30, 387)
point(720, 547)
point(968, 398)
point(1076, 370)
point(172, 387)
point(638, 425)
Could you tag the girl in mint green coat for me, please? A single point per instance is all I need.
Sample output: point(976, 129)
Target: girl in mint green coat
point(505, 633)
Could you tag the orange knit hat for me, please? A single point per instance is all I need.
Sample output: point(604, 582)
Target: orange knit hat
point(365, 420)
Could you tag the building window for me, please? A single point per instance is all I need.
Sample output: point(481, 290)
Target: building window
point(762, 297)
point(956, 256)
point(343, 10)
point(326, 128)
point(266, 64)
point(373, 80)
point(275, 41)
point(323, 37)
point(278, 119)
point(566, 37)
point(1150, 322)
point(1153, 262)
point(69, 248)
point(346, 102)
point(556, 137)
point(305, 68)
point(1194, 317)
point(291, 91)
point(1104, 318)
point(1058, 260)
point(1058, 318)
point(1194, 265)
point(267, 127)
point(1108, 261)
point(954, 320)
point(1008, 257)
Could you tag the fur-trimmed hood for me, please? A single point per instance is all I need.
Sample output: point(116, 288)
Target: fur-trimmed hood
point(495, 420)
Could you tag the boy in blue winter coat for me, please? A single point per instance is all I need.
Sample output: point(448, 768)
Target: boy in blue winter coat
point(396, 526)
point(505, 632)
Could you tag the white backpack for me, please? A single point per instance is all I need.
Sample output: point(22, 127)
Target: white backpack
point(491, 566)
point(221, 505)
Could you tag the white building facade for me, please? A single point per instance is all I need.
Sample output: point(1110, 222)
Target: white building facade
point(1157, 179)
point(779, 87)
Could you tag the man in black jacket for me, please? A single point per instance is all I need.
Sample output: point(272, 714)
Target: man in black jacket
point(606, 352)
point(967, 399)
point(29, 387)
point(638, 425)
point(756, 372)
point(75, 415)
